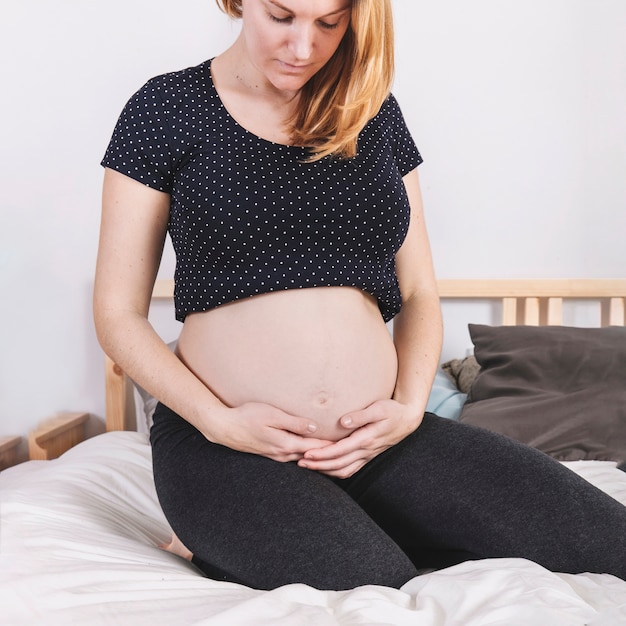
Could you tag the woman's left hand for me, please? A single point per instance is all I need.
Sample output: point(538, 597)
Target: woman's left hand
point(374, 429)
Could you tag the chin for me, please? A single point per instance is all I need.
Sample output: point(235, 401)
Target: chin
point(289, 85)
point(285, 80)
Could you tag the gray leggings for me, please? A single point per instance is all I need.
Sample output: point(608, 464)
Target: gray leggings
point(447, 493)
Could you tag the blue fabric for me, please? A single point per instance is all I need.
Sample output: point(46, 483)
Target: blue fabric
point(445, 399)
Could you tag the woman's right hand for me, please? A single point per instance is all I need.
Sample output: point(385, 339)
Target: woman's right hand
point(260, 428)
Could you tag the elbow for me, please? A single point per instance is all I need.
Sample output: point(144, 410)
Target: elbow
point(110, 322)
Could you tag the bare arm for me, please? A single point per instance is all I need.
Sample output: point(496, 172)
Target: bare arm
point(132, 235)
point(418, 337)
point(417, 329)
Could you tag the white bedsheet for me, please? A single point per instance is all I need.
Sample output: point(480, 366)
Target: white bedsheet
point(78, 545)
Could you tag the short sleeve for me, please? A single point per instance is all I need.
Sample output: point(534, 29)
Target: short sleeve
point(406, 154)
point(139, 147)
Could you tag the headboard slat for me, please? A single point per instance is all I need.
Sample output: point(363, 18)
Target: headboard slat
point(616, 315)
point(554, 315)
point(531, 311)
point(120, 414)
point(509, 311)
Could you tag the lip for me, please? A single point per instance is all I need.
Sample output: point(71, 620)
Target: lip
point(293, 68)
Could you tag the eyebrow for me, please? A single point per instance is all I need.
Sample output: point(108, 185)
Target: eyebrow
point(287, 10)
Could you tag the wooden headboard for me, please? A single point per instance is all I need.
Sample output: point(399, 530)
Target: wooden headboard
point(540, 302)
point(528, 302)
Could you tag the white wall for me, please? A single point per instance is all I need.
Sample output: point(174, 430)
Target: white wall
point(518, 108)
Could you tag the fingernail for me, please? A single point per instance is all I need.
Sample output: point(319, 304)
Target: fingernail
point(347, 421)
point(311, 428)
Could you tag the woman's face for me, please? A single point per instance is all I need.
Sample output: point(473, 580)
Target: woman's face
point(288, 41)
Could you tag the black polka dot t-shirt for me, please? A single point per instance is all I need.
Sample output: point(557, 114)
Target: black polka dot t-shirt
point(248, 216)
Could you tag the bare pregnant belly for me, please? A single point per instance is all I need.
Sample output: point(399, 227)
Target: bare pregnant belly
point(318, 353)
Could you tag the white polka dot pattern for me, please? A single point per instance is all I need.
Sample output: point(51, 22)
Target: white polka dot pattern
point(248, 216)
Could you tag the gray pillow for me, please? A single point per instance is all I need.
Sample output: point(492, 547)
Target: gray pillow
point(559, 389)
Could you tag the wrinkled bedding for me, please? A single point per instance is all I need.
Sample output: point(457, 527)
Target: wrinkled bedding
point(79, 545)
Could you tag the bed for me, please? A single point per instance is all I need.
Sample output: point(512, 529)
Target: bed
point(80, 523)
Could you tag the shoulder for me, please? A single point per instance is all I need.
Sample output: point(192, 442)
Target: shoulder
point(389, 126)
point(388, 120)
point(390, 110)
point(179, 85)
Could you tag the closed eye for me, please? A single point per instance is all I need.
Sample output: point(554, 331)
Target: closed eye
point(328, 26)
point(289, 19)
point(280, 20)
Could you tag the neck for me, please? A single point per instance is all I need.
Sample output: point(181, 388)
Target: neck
point(238, 65)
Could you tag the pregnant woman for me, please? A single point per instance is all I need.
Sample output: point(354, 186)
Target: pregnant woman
point(290, 442)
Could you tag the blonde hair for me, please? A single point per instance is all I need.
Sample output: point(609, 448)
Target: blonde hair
point(349, 90)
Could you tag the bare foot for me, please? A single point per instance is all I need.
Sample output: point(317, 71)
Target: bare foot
point(175, 546)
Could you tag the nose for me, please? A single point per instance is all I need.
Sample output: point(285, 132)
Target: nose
point(302, 41)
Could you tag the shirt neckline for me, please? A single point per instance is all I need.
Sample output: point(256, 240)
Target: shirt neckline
point(242, 128)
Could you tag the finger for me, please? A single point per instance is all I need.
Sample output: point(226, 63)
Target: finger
point(284, 458)
point(332, 451)
point(285, 446)
point(287, 450)
point(356, 419)
point(362, 440)
point(303, 445)
point(335, 464)
point(344, 470)
point(296, 425)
